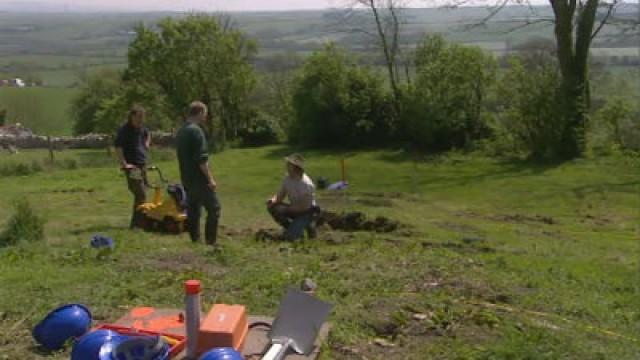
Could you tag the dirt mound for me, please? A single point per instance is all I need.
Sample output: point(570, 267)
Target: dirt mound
point(357, 221)
point(465, 246)
point(329, 225)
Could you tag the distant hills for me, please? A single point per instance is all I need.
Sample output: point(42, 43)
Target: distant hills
point(56, 44)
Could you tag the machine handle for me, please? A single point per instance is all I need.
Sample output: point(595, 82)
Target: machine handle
point(160, 175)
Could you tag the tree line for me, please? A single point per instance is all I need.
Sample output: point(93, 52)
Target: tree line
point(442, 96)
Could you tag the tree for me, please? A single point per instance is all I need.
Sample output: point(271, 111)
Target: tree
point(112, 111)
point(388, 24)
point(445, 103)
point(199, 57)
point(95, 89)
point(274, 91)
point(573, 56)
point(338, 103)
point(576, 24)
point(529, 110)
point(104, 101)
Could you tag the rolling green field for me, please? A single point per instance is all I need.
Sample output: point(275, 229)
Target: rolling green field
point(496, 259)
point(57, 48)
point(44, 110)
point(40, 43)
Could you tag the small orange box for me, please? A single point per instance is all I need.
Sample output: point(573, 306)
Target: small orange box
point(224, 326)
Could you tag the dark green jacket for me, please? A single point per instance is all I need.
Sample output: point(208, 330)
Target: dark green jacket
point(192, 149)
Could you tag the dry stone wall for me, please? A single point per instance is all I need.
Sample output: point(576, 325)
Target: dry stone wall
point(23, 138)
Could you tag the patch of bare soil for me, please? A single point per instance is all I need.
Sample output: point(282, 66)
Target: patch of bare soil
point(236, 233)
point(520, 219)
point(461, 228)
point(460, 247)
point(599, 221)
point(357, 221)
point(375, 202)
point(269, 235)
point(337, 228)
point(511, 218)
point(369, 199)
point(335, 237)
point(74, 190)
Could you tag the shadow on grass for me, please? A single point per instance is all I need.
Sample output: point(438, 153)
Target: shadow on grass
point(462, 171)
point(282, 151)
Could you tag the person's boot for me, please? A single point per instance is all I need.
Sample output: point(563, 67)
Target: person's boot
point(312, 230)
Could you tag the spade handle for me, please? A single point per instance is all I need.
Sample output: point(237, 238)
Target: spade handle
point(278, 350)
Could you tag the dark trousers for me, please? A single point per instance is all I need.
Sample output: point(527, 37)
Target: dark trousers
point(199, 196)
point(136, 181)
point(294, 224)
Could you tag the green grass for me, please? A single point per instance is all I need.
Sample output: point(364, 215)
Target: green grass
point(494, 280)
point(44, 110)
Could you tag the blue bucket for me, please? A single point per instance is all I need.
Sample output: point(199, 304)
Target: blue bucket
point(60, 325)
point(97, 345)
point(221, 354)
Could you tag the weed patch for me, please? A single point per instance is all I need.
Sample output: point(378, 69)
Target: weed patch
point(24, 225)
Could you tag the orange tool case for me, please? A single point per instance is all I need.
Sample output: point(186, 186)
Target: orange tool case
point(224, 326)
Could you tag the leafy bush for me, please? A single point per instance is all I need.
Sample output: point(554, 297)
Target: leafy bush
point(25, 225)
point(105, 99)
point(36, 166)
point(616, 126)
point(16, 169)
point(263, 130)
point(337, 103)
point(444, 106)
point(529, 108)
point(70, 164)
point(112, 111)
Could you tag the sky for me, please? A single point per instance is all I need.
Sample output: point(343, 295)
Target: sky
point(203, 5)
point(174, 5)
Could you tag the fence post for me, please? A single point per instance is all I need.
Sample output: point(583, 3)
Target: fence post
point(51, 155)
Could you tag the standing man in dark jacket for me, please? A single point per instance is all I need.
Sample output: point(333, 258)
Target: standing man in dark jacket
point(132, 143)
point(193, 156)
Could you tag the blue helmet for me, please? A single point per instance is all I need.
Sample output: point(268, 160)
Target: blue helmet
point(97, 345)
point(222, 354)
point(60, 325)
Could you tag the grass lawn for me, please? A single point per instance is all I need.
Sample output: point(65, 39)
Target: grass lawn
point(498, 259)
point(44, 110)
